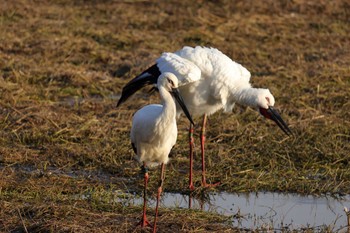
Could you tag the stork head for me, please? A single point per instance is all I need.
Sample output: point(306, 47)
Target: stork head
point(265, 102)
point(170, 82)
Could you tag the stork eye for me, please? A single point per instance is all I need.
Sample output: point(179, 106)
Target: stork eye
point(171, 82)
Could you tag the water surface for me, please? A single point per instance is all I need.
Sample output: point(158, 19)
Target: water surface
point(267, 210)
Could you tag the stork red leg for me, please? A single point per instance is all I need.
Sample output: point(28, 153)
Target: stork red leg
point(160, 189)
point(202, 137)
point(144, 222)
point(191, 142)
point(190, 200)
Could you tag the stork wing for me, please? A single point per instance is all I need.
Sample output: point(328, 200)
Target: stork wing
point(149, 76)
point(185, 70)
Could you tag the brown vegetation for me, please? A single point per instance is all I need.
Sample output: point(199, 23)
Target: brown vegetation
point(62, 67)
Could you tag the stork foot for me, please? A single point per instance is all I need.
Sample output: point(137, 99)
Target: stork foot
point(144, 223)
point(206, 185)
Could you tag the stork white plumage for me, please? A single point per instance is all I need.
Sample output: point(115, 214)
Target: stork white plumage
point(154, 133)
point(208, 81)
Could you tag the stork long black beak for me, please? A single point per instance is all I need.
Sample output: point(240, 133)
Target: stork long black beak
point(272, 114)
point(179, 99)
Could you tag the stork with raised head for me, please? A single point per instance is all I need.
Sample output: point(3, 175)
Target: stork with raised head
point(154, 133)
point(208, 81)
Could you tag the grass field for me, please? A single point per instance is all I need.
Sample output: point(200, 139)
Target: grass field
point(63, 64)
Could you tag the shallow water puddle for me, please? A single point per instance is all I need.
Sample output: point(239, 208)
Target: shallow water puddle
point(266, 210)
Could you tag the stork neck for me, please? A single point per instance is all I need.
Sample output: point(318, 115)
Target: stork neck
point(168, 102)
point(247, 96)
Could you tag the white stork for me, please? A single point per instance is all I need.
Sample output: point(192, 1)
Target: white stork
point(208, 81)
point(154, 133)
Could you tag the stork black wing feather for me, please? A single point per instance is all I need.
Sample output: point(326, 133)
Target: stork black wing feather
point(148, 77)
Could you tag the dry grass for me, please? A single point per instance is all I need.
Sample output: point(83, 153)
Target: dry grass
point(62, 67)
